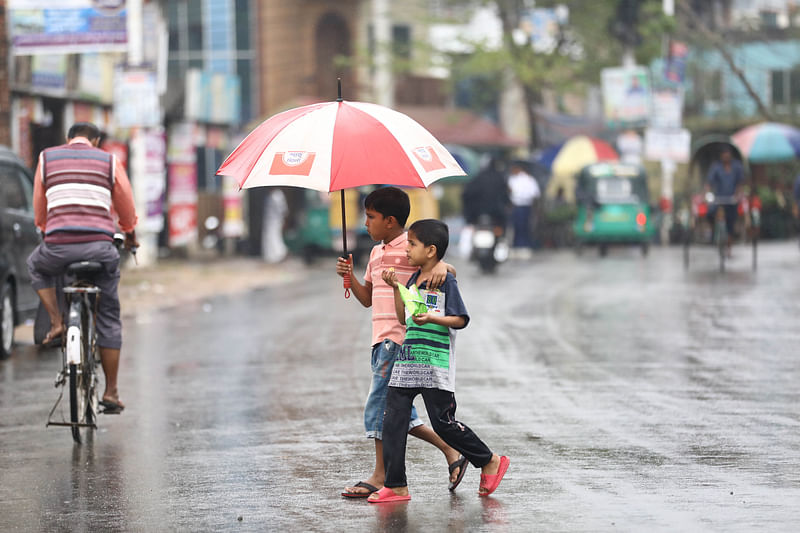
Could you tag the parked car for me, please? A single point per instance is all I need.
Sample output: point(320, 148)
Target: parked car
point(18, 237)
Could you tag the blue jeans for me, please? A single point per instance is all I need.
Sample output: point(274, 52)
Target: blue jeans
point(383, 356)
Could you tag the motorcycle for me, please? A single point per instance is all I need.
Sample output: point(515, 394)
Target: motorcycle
point(489, 247)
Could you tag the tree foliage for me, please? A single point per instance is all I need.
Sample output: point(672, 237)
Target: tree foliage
point(583, 46)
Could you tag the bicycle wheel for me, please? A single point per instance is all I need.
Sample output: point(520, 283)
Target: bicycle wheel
point(77, 400)
point(90, 364)
point(78, 375)
point(722, 241)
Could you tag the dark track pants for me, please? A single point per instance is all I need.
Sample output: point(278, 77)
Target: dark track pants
point(441, 407)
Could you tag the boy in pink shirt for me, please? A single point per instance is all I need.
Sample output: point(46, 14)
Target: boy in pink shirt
point(387, 210)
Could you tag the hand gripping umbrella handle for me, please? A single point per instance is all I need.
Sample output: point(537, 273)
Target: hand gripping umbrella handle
point(346, 282)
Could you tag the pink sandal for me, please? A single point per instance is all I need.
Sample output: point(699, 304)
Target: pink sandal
point(387, 495)
point(490, 482)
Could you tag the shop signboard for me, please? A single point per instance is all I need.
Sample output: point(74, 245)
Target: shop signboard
point(67, 26)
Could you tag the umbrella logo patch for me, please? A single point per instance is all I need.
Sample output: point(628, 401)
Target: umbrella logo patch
point(428, 158)
point(292, 163)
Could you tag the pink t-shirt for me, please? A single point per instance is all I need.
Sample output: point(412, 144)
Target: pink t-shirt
point(384, 319)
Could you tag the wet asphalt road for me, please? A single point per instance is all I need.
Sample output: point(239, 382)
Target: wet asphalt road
point(629, 394)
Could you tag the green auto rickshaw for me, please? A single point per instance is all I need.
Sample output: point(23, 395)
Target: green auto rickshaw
point(613, 206)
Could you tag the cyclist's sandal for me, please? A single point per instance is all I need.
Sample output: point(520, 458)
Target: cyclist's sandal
point(111, 407)
point(53, 338)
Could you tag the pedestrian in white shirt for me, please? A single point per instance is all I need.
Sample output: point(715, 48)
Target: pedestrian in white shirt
point(524, 190)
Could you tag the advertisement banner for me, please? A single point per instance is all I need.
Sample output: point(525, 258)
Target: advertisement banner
point(667, 109)
point(673, 145)
point(119, 149)
point(182, 176)
point(136, 98)
point(67, 26)
point(212, 97)
point(148, 177)
point(233, 221)
point(675, 62)
point(626, 95)
point(95, 77)
point(49, 73)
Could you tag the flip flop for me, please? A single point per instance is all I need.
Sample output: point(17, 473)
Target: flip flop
point(461, 464)
point(53, 339)
point(111, 407)
point(387, 495)
point(490, 482)
point(363, 485)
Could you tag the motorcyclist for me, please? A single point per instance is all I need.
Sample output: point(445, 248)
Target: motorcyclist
point(78, 190)
point(487, 194)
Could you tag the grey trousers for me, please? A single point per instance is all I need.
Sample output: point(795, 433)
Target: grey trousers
point(48, 261)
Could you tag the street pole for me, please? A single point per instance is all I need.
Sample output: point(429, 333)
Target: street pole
point(148, 251)
point(668, 167)
point(382, 29)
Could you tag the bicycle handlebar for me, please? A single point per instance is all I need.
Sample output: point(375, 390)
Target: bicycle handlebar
point(713, 199)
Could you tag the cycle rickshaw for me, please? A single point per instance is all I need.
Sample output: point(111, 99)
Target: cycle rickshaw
point(700, 228)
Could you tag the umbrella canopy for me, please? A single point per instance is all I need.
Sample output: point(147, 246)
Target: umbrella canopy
point(336, 145)
point(768, 142)
point(571, 157)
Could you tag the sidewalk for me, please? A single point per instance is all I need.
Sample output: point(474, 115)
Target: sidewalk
point(173, 282)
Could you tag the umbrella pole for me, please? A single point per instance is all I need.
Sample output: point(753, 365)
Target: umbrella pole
point(346, 279)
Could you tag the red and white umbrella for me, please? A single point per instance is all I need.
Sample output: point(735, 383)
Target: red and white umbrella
point(338, 145)
point(333, 146)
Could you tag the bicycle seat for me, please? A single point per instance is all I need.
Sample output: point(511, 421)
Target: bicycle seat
point(84, 268)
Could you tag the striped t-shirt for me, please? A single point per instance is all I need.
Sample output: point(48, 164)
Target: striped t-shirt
point(428, 356)
point(384, 319)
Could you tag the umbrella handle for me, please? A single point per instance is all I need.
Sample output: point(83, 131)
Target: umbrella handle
point(347, 282)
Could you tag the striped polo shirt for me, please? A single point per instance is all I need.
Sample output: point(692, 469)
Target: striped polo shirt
point(384, 318)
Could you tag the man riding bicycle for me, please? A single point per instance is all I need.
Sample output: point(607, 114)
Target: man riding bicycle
point(77, 193)
point(725, 179)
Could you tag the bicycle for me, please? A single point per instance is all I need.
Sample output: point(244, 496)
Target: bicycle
point(719, 235)
point(79, 351)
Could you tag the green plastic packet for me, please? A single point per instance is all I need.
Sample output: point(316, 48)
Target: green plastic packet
point(412, 300)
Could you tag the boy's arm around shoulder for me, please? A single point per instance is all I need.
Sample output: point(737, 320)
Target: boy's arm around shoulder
point(439, 274)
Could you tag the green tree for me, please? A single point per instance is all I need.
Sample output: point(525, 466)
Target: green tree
point(584, 45)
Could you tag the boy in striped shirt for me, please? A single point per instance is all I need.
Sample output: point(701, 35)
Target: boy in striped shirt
point(387, 210)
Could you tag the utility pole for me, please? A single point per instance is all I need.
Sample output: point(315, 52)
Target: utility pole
point(382, 30)
point(5, 82)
